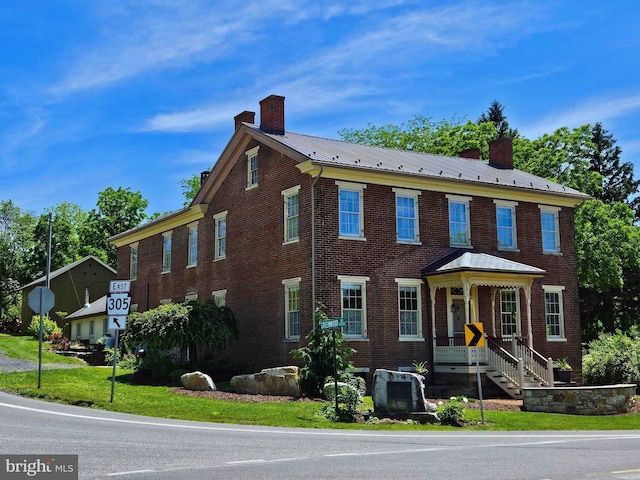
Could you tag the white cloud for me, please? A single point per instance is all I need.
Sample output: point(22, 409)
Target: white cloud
point(591, 111)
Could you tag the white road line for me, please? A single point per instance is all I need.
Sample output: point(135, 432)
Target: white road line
point(132, 472)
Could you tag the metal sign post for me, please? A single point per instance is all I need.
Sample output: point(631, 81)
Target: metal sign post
point(118, 304)
point(474, 338)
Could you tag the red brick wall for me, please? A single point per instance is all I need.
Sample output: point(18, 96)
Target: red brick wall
point(257, 262)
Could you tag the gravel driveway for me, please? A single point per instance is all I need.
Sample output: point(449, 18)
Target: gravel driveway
point(16, 365)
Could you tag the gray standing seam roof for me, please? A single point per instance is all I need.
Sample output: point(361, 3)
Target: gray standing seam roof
point(339, 153)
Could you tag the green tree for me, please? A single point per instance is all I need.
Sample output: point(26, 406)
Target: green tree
point(116, 211)
point(496, 115)
point(318, 358)
point(190, 188)
point(16, 244)
point(183, 325)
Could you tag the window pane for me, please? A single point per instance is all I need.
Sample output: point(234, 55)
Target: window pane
point(408, 310)
point(508, 312)
point(549, 232)
point(352, 310)
point(350, 213)
point(553, 314)
point(293, 311)
point(406, 218)
point(458, 223)
point(506, 227)
point(292, 217)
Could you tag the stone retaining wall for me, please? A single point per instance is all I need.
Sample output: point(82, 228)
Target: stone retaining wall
point(595, 400)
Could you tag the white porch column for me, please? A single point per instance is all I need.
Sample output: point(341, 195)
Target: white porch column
point(466, 288)
point(493, 311)
point(432, 293)
point(527, 295)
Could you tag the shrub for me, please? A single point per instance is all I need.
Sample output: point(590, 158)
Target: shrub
point(453, 412)
point(348, 401)
point(613, 358)
point(49, 327)
point(58, 342)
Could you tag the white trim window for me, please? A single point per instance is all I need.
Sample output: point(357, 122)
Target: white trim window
point(166, 252)
point(353, 292)
point(407, 228)
point(550, 229)
point(410, 308)
point(459, 224)
point(351, 210)
point(291, 197)
point(133, 261)
point(220, 298)
point(509, 312)
point(252, 167)
point(220, 220)
point(192, 230)
point(506, 224)
point(292, 308)
point(554, 311)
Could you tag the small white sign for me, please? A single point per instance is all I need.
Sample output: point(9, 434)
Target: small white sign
point(117, 322)
point(119, 286)
point(118, 304)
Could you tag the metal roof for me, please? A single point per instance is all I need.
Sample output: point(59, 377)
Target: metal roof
point(66, 268)
point(95, 308)
point(339, 153)
point(472, 261)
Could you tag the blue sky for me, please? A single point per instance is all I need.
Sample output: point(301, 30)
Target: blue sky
point(142, 94)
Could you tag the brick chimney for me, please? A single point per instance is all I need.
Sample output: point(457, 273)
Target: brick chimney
point(472, 152)
point(272, 115)
point(501, 153)
point(246, 117)
point(203, 177)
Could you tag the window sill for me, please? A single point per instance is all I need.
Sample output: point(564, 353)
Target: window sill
point(356, 339)
point(193, 265)
point(408, 242)
point(219, 259)
point(344, 237)
point(411, 339)
point(289, 242)
point(558, 254)
point(164, 272)
point(556, 339)
point(508, 249)
point(454, 245)
point(292, 340)
point(251, 187)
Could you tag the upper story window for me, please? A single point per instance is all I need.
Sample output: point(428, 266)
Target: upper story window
point(351, 209)
point(193, 245)
point(354, 305)
point(166, 252)
point(292, 308)
point(252, 167)
point(409, 308)
point(407, 230)
point(554, 311)
point(133, 262)
point(550, 229)
point(291, 214)
point(459, 225)
point(220, 235)
point(506, 224)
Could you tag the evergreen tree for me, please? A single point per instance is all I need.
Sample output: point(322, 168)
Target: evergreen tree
point(496, 115)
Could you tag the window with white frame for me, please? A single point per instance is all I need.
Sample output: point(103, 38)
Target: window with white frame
point(354, 305)
point(407, 229)
point(550, 229)
point(509, 312)
point(351, 209)
point(291, 214)
point(91, 328)
point(506, 224)
point(193, 245)
point(220, 298)
point(133, 262)
point(220, 220)
point(459, 225)
point(292, 308)
point(166, 252)
point(554, 311)
point(252, 167)
point(409, 308)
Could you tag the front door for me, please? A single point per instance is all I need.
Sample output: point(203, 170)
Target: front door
point(457, 317)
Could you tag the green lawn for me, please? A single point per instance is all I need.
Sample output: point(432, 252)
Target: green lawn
point(91, 387)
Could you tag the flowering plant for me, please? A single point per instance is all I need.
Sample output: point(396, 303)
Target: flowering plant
point(58, 342)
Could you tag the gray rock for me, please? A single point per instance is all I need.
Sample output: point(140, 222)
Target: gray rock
point(270, 381)
point(197, 381)
point(399, 392)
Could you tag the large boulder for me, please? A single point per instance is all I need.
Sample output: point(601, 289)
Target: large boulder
point(197, 381)
point(270, 381)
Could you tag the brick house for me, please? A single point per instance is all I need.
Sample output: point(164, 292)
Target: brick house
point(406, 247)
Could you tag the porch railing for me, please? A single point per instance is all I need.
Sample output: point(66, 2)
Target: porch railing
point(539, 367)
point(503, 361)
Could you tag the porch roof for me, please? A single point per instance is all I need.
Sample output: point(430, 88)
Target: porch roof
point(464, 260)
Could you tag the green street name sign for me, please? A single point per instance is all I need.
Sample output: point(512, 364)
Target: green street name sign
point(333, 324)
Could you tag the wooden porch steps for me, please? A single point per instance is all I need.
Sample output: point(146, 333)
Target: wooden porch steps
point(513, 390)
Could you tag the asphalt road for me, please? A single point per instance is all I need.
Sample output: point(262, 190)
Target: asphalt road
point(120, 446)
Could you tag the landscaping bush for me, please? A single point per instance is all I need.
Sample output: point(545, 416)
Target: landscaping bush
point(453, 412)
point(613, 358)
point(49, 327)
point(348, 401)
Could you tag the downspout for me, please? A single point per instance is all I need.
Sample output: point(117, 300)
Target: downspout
point(313, 243)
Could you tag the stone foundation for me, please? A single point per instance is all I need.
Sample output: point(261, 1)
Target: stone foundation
point(595, 400)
